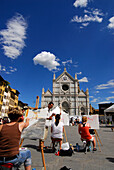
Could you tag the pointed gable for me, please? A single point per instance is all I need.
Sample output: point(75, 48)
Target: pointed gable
point(48, 93)
point(81, 93)
point(64, 77)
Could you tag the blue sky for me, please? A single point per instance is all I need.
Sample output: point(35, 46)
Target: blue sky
point(41, 37)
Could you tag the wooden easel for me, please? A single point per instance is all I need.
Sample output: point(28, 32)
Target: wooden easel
point(42, 151)
point(97, 137)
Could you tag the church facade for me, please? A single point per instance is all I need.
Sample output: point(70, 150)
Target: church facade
point(67, 94)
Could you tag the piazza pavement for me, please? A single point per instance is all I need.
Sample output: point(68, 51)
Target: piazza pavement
point(97, 160)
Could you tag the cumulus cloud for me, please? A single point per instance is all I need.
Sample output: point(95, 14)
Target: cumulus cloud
point(108, 98)
point(66, 62)
point(111, 24)
point(47, 59)
point(80, 3)
point(84, 79)
point(12, 38)
point(7, 70)
point(109, 84)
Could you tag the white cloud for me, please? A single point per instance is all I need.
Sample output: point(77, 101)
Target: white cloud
point(94, 100)
point(84, 79)
point(90, 96)
point(46, 59)
point(94, 12)
point(75, 65)
point(109, 84)
point(13, 37)
point(7, 70)
point(91, 15)
point(4, 69)
point(108, 98)
point(111, 24)
point(81, 3)
point(66, 62)
point(112, 92)
point(87, 18)
point(13, 70)
point(85, 24)
point(79, 73)
point(104, 102)
point(97, 91)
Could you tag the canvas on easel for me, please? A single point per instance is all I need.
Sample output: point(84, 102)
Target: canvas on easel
point(93, 120)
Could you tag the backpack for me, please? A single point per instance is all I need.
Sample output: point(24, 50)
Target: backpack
point(68, 152)
point(80, 148)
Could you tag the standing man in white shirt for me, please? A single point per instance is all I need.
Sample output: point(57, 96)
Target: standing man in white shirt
point(49, 117)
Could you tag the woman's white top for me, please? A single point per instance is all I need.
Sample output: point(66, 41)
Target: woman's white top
point(57, 131)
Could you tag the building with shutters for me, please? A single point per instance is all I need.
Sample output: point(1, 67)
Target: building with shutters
point(8, 97)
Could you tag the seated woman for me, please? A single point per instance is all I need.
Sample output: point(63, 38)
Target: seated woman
point(83, 130)
point(57, 129)
point(10, 134)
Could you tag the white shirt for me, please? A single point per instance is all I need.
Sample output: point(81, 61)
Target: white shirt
point(48, 114)
point(57, 131)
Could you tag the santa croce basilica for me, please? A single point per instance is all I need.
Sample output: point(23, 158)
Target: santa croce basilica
point(67, 94)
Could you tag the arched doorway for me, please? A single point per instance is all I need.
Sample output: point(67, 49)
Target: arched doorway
point(82, 111)
point(65, 107)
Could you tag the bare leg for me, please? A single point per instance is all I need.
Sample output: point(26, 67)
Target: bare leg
point(94, 143)
point(60, 143)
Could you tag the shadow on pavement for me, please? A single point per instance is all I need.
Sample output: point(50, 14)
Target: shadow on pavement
point(46, 148)
point(111, 159)
point(31, 146)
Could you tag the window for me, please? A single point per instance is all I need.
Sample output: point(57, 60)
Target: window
point(12, 95)
point(0, 91)
point(65, 87)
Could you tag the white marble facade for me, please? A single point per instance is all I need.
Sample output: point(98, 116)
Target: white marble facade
point(67, 94)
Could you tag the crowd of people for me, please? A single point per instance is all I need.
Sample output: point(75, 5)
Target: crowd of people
point(12, 127)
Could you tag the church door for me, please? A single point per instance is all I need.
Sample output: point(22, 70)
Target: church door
point(82, 111)
point(65, 107)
